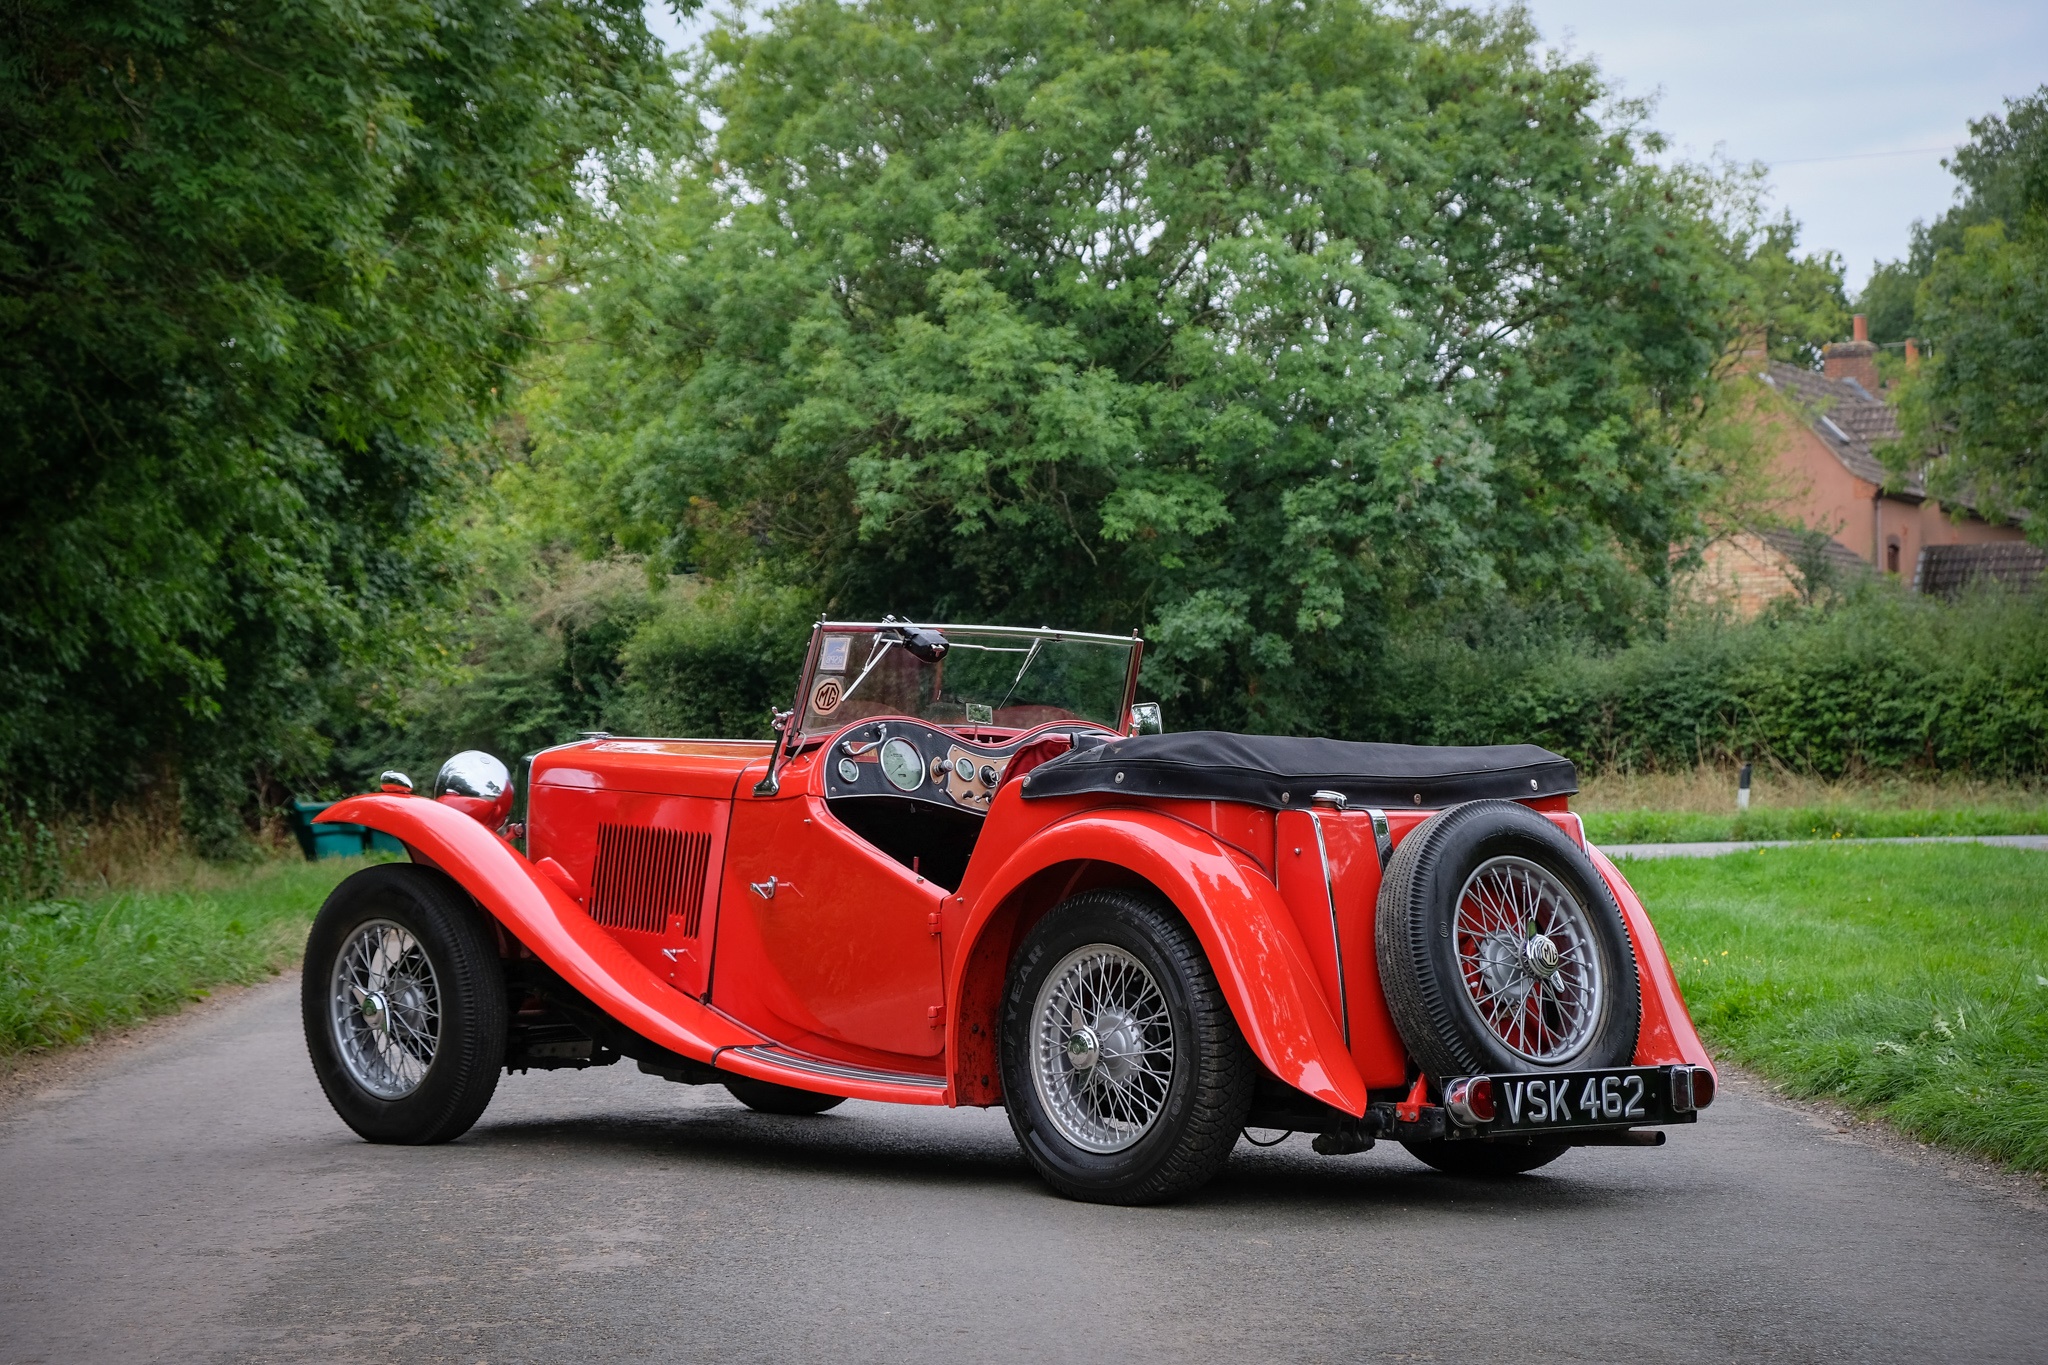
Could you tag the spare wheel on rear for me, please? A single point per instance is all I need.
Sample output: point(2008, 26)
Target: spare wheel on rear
point(1501, 948)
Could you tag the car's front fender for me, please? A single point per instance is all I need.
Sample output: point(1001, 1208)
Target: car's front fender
point(543, 917)
point(1237, 915)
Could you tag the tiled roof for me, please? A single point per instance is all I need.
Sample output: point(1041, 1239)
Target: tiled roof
point(1945, 570)
point(1848, 419)
point(1800, 547)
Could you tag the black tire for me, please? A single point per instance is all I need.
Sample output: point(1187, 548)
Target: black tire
point(1487, 1159)
point(1208, 1091)
point(470, 1024)
point(1419, 970)
point(766, 1097)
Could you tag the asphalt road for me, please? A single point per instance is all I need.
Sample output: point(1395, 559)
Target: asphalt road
point(195, 1199)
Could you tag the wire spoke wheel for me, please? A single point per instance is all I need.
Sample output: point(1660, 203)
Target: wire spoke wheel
point(1102, 1048)
point(1528, 960)
point(384, 1007)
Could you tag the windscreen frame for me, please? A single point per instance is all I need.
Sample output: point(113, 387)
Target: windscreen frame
point(798, 735)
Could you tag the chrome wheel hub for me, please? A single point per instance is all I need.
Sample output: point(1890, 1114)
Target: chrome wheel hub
point(1102, 1048)
point(1542, 956)
point(1084, 1049)
point(384, 1009)
point(1528, 962)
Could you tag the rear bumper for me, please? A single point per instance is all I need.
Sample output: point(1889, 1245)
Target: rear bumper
point(1610, 1107)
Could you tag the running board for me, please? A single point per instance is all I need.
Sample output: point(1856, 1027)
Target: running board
point(767, 1062)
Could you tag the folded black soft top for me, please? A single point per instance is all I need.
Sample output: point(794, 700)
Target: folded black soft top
point(1281, 771)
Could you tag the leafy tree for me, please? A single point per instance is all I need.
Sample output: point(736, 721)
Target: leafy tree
point(1263, 327)
point(1887, 302)
point(1981, 399)
point(259, 284)
point(1797, 301)
point(2000, 172)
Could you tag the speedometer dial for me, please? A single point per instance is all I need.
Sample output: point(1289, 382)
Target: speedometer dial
point(902, 765)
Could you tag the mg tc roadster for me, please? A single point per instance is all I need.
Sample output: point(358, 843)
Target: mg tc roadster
point(970, 871)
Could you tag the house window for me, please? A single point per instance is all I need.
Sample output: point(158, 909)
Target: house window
point(1891, 557)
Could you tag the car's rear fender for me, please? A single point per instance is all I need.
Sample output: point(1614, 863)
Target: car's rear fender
point(1244, 929)
point(1666, 1033)
point(541, 915)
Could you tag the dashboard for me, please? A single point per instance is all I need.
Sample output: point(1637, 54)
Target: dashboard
point(908, 758)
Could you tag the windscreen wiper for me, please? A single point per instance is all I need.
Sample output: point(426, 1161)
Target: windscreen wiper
point(1029, 655)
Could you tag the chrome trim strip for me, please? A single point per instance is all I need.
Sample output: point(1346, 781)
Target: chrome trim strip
point(1380, 837)
point(818, 1066)
point(1336, 938)
point(1020, 632)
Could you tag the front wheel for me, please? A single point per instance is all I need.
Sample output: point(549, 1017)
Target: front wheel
point(403, 1001)
point(1124, 1075)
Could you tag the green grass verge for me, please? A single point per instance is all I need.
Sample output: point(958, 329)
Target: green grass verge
point(1811, 822)
point(72, 967)
point(1911, 983)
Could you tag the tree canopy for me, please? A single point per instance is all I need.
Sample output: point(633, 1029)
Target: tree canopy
point(1266, 329)
point(1979, 300)
point(259, 286)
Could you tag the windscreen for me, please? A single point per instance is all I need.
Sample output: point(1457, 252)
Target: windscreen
point(988, 679)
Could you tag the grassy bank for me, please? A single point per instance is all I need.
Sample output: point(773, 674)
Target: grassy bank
point(73, 965)
point(1911, 983)
point(1699, 804)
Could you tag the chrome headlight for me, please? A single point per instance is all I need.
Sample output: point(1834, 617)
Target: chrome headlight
point(473, 773)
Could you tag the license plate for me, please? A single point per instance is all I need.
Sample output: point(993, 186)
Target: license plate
point(1583, 1099)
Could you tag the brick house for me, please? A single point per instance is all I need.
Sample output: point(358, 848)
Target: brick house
point(1821, 430)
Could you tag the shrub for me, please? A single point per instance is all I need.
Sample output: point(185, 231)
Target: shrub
point(1880, 682)
point(718, 662)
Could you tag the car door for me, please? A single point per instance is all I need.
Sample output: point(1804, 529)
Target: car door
point(822, 934)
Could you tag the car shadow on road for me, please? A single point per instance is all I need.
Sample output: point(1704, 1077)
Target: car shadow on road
point(834, 1144)
point(1388, 1178)
point(859, 1147)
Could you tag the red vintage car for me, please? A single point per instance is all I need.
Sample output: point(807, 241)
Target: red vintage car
point(969, 871)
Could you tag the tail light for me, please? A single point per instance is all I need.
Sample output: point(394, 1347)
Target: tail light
point(1692, 1087)
point(1470, 1100)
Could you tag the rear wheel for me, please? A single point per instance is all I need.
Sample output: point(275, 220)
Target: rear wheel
point(1124, 1075)
point(766, 1097)
point(403, 1001)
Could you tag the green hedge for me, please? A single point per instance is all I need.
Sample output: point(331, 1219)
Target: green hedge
point(1881, 682)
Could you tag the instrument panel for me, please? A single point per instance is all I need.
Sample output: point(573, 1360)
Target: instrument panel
point(910, 758)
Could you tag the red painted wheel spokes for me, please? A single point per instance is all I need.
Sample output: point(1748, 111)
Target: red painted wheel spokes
point(1527, 960)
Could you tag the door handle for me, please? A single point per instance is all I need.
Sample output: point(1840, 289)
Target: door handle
point(765, 890)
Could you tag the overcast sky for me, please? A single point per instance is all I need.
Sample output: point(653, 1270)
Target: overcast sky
point(1852, 106)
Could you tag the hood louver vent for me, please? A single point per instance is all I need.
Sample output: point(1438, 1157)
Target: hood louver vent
point(644, 877)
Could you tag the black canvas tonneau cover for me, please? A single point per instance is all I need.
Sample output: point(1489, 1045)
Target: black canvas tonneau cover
point(1281, 771)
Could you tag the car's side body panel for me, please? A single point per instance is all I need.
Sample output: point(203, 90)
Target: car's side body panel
point(825, 942)
point(1331, 884)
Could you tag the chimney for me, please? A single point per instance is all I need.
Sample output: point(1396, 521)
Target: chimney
point(1855, 359)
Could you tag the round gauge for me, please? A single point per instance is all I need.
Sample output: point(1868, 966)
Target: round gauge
point(849, 771)
point(963, 768)
point(988, 775)
point(903, 765)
